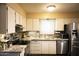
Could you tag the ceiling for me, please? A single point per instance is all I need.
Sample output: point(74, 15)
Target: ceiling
point(41, 7)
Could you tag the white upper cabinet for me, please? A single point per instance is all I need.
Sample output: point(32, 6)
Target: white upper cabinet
point(11, 20)
point(59, 24)
point(32, 24)
point(17, 18)
point(21, 19)
point(7, 19)
point(29, 24)
point(36, 25)
point(24, 23)
point(67, 20)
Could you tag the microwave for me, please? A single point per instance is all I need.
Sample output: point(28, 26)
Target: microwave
point(18, 28)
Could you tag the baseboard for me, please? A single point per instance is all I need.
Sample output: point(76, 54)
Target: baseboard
point(45, 55)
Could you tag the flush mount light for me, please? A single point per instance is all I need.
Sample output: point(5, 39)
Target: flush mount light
point(51, 7)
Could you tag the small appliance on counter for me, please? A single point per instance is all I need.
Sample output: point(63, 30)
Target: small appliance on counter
point(61, 34)
point(18, 28)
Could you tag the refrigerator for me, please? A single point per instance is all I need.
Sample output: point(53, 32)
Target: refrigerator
point(74, 39)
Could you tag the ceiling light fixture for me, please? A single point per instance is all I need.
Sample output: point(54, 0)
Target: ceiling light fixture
point(51, 7)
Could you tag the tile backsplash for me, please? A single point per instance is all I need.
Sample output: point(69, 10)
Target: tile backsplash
point(28, 35)
point(34, 34)
point(38, 35)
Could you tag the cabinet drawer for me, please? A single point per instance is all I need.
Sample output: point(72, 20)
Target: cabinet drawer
point(35, 51)
point(35, 45)
point(35, 42)
point(35, 48)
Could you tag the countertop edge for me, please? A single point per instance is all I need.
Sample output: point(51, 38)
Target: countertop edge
point(49, 40)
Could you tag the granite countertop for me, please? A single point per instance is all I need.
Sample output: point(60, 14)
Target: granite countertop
point(16, 49)
point(5, 41)
point(42, 39)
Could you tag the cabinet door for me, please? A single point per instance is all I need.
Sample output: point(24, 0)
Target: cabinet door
point(29, 24)
point(36, 24)
point(21, 20)
point(68, 20)
point(24, 23)
point(11, 20)
point(59, 25)
point(35, 47)
point(17, 18)
point(52, 47)
point(44, 47)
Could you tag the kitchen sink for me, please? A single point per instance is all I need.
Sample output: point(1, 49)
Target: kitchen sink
point(20, 42)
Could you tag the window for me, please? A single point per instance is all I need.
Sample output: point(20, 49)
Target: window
point(47, 26)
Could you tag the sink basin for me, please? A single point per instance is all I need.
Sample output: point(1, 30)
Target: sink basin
point(20, 42)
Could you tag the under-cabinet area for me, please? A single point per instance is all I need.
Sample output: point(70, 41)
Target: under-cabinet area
point(29, 29)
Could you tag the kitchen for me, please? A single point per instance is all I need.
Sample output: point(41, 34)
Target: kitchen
point(32, 29)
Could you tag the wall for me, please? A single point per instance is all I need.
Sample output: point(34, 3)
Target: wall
point(17, 7)
point(52, 15)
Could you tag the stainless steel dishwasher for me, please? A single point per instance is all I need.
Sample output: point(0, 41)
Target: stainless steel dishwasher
point(62, 47)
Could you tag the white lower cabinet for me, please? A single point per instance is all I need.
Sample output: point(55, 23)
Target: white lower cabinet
point(48, 47)
point(35, 51)
point(52, 47)
point(35, 47)
point(43, 47)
